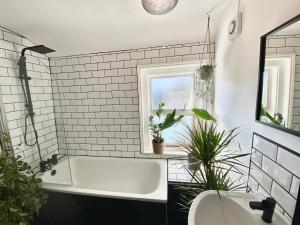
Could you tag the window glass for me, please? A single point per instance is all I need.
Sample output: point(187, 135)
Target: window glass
point(175, 92)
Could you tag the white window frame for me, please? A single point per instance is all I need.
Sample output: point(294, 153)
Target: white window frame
point(145, 74)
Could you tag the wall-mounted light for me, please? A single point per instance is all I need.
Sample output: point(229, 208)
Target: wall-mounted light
point(159, 7)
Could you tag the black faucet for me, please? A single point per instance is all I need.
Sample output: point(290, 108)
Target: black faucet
point(267, 206)
point(47, 164)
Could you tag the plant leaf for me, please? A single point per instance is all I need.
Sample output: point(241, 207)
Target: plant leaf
point(203, 114)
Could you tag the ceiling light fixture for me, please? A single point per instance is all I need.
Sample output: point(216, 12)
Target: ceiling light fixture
point(159, 7)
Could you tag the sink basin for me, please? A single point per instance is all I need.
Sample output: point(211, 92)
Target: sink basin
point(231, 209)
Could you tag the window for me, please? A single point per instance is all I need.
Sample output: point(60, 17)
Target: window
point(172, 84)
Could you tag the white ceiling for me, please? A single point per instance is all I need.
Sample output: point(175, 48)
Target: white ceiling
point(86, 26)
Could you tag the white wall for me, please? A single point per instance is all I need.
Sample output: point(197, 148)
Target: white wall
point(237, 67)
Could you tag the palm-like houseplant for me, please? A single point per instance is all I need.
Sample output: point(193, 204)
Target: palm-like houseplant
point(20, 195)
point(213, 161)
point(158, 125)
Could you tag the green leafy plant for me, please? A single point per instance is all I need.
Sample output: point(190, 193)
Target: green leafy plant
point(213, 159)
point(276, 119)
point(203, 114)
point(20, 195)
point(157, 125)
point(206, 72)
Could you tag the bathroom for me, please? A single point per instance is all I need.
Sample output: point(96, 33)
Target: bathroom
point(108, 108)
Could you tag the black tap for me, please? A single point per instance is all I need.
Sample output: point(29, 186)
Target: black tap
point(47, 165)
point(267, 206)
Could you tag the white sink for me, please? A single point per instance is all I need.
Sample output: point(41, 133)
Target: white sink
point(231, 209)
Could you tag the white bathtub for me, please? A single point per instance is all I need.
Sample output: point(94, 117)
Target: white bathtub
point(125, 178)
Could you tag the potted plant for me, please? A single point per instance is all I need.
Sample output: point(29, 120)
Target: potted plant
point(204, 115)
point(20, 195)
point(157, 125)
point(206, 72)
point(214, 160)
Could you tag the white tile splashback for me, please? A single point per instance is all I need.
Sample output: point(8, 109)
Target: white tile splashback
point(274, 171)
point(262, 178)
point(283, 198)
point(277, 172)
point(268, 148)
point(257, 157)
point(295, 186)
point(289, 161)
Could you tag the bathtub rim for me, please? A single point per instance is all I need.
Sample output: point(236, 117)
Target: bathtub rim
point(159, 195)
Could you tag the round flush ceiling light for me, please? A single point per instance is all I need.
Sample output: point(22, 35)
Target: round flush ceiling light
point(159, 7)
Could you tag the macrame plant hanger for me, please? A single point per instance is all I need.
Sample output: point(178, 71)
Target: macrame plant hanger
point(204, 75)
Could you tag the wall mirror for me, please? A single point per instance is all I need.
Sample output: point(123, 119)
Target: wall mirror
point(278, 101)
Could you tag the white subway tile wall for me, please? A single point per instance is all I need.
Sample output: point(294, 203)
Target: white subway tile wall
point(274, 172)
point(289, 161)
point(281, 44)
point(261, 177)
point(283, 198)
point(177, 171)
point(277, 172)
point(268, 148)
point(88, 104)
point(13, 98)
point(257, 157)
point(100, 102)
point(295, 186)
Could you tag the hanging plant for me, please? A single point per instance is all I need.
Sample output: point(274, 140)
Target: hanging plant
point(204, 75)
point(206, 72)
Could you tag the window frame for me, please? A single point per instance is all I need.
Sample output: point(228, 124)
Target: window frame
point(145, 74)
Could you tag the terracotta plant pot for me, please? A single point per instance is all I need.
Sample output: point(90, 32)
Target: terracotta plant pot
point(158, 148)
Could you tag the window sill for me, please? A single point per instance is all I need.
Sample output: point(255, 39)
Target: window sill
point(169, 152)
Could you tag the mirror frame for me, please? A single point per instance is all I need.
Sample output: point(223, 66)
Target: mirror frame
point(263, 41)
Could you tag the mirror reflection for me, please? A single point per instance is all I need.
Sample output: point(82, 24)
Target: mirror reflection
point(280, 102)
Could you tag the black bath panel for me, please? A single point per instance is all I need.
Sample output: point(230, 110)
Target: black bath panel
point(71, 209)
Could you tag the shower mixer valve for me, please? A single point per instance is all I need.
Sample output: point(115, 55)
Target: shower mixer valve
point(47, 164)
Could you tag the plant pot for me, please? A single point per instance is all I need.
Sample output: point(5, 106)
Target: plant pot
point(158, 147)
point(192, 162)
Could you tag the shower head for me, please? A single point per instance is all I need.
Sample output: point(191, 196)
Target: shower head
point(38, 49)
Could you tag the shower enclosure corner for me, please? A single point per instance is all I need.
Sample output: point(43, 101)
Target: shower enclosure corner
point(54, 166)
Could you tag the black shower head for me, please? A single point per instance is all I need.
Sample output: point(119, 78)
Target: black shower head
point(39, 49)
